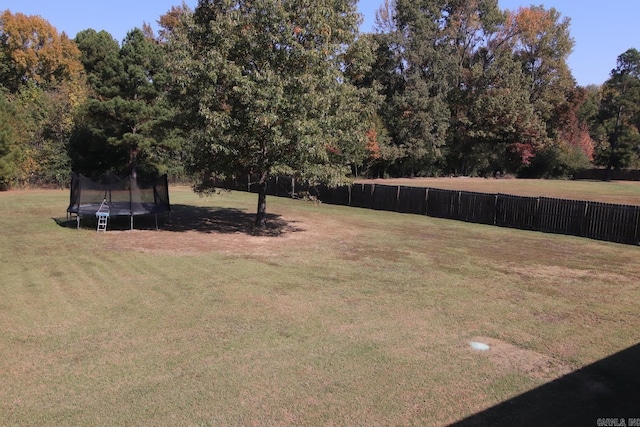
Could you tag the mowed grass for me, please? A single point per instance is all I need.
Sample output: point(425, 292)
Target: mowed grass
point(355, 317)
point(619, 192)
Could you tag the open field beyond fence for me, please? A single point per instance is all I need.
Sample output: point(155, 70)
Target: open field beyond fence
point(332, 316)
point(524, 204)
point(618, 192)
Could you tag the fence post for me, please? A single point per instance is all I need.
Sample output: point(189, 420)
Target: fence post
point(584, 220)
point(637, 231)
point(426, 202)
point(350, 191)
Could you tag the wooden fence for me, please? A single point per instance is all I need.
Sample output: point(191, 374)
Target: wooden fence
point(615, 174)
point(595, 220)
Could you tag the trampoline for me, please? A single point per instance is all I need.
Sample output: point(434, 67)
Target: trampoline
point(124, 196)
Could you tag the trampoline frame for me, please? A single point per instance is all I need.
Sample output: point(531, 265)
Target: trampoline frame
point(113, 184)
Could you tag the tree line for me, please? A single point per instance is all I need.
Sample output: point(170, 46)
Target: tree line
point(269, 87)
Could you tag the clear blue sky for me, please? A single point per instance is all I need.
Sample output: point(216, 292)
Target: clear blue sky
point(602, 30)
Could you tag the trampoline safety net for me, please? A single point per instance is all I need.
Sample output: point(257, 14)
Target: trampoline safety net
point(125, 196)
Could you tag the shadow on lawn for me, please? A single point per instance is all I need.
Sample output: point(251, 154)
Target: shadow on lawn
point(224, 220)
point(184, 218)
point(606, 389)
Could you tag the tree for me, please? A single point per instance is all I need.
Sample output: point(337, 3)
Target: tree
point(42, 74)
point(121, 119)
point(429, 67)
point(173, 22)
point(9, 152)
point(386, 77)
point(100, 58)
point(45, 121)
point(425, 63)
point(541, 41)
point(495, 128)
point(620, 112)
point(265, 91)
point(31, 50)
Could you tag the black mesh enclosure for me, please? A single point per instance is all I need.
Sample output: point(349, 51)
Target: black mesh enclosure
point(125, 196)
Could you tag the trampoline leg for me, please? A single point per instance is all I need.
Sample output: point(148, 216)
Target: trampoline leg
point(131, 222)
point(156, 215)
point(77, 222)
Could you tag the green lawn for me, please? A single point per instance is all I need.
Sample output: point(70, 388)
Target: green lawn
point(620, 192)
point(338, 316)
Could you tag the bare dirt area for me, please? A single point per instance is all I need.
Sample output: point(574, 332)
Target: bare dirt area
point(510, 358)
point(193, 230)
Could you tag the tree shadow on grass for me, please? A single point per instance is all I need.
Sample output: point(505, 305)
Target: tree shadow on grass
point(183, 218)
point(606, 389)
point(225, 220)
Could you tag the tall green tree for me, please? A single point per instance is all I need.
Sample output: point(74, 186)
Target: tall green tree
point(100, 58)
point(489, 107)
point(541, 41)
point(620, 113)
point(121, 119)
point(431, 55)
point(386, 77)
point(495, 127)
point(9, 151)
point(45, 123)
point(266, 93)
point(429, 70)
point(89, 148)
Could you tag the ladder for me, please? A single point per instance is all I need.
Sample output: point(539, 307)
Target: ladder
point(102, 214)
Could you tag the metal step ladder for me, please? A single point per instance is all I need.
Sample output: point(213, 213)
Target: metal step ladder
point(103, 215)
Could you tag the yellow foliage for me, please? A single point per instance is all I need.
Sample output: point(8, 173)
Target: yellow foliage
point(36, 51)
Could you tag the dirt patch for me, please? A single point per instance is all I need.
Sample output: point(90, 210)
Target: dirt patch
point(558, 272)
point(192, 231)
point(508, 357)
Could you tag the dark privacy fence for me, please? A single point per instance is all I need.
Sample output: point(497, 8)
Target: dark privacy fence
point(603, 174)
point(595, 220)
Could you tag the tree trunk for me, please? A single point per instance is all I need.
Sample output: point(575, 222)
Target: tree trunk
point(612, 147)
point(261, 214)
point(133, 162)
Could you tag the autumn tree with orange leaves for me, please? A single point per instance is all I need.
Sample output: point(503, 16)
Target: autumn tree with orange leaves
point(540, 40)
point(44, 80)
point(32, 50)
